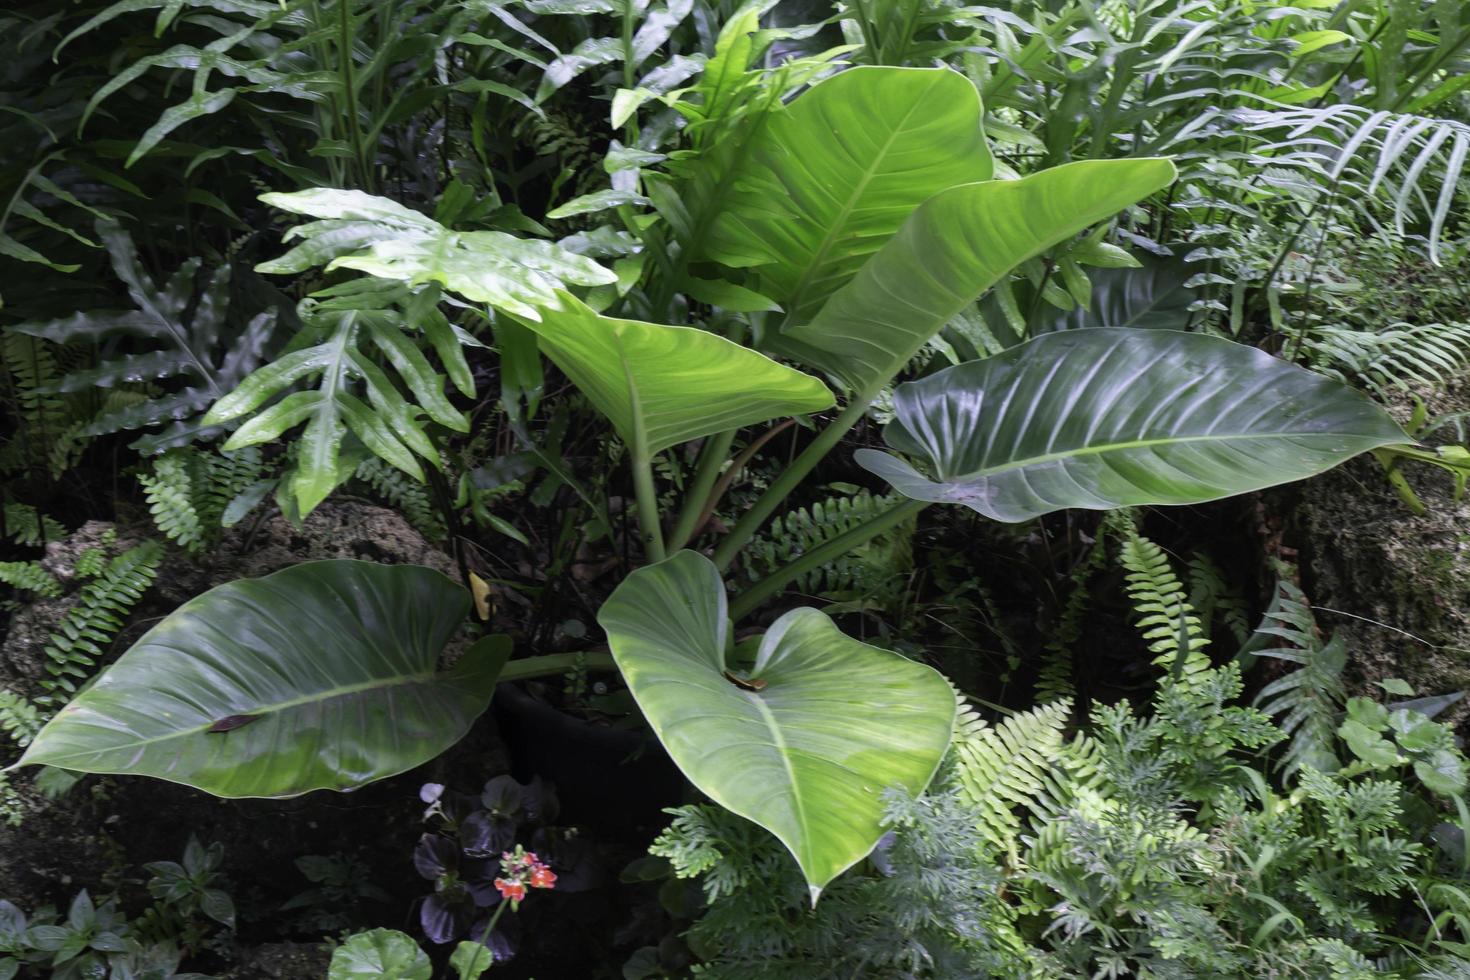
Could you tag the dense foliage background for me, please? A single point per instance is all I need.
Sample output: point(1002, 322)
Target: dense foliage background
point(1167, 763)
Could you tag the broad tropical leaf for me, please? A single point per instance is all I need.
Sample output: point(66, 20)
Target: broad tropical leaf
point(803, 745)
point(320, 676)
point(385, 239)
point(1107, 418)
point(1152, 296)
point(831, 177)
point(663, 385)
point(952, 249)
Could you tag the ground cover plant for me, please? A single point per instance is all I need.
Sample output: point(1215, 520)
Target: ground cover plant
point(657, 332)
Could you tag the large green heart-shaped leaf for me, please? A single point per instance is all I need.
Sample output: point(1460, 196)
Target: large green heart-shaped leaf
point(1104, 418)
point(383, 238)
point(807, 742)
point(952, 249)
point(663, 385)
point(828, 179)
point(319, 676)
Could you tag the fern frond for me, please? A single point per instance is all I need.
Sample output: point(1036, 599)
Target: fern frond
point(1165, 618)
point(1212, 596)
point(1389, 159)
point(170, 492)
point(48, 434)
point(868, 569)
point(404, 494)
point(19, 719)
point(1011, 766)
point(26, 525)
point(1309, 700)
point(31, 577)
point(74, 649)
point(1395, 357)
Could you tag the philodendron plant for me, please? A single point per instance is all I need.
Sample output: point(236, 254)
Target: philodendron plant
point(838, 231)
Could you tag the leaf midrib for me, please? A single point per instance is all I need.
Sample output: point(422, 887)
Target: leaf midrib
point(1141, 444)
point(399, 680)
point(840, 221)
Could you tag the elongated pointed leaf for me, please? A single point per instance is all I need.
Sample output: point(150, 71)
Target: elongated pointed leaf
point(663, 385)
point(383, 238)
point(952, 249)
point(1104, 418)
point(807, 743)
point(830, 178)
point(320, 676)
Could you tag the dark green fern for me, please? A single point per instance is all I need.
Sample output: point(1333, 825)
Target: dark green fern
point(1308, 701)
point(872, 570)
point(30, 577)
point(193, 493)
point(404, 494)
point(80, 639)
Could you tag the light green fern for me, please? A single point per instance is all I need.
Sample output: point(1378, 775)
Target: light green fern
point(192, 492)
point(31, 577)
point(1168, 623)
point(101, 606)
point(1021, 764)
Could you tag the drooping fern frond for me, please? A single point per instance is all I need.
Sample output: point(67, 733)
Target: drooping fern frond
point(190, 491)
point(19, 719)
point(1213, 597)
point(1309, 700)
point(102, 605)
point(47, 437)
point(183, 336)
point(26, 525)
point(1409, 166)
point(872, 568)
point(1168, 623)
point(1014, 766)
point(409, 497)
point(31, 577)
point(1394, 357)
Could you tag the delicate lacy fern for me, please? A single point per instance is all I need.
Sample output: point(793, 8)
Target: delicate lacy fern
point(1308, 700)
point(190, 492)
point(871, 568)
point(30, 576)
point(1395, 357)
point(73, 650)
point(407, 496)
point(1165, 618)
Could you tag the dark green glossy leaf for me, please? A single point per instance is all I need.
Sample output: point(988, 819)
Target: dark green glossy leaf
point(336, 661)
point(1119, 417)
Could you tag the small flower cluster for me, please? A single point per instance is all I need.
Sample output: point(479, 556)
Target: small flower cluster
point(520, 868)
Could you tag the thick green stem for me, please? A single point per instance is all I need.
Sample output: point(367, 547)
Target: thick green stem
point(552, 664)
point(349, 92)
point(706, 472)
point(761, 511)
point(648, 520)
point(752, 597)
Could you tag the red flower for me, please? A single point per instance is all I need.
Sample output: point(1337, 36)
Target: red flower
point(513, 890)
point(542, 877)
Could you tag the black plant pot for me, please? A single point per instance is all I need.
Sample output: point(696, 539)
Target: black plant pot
point(614, 779)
